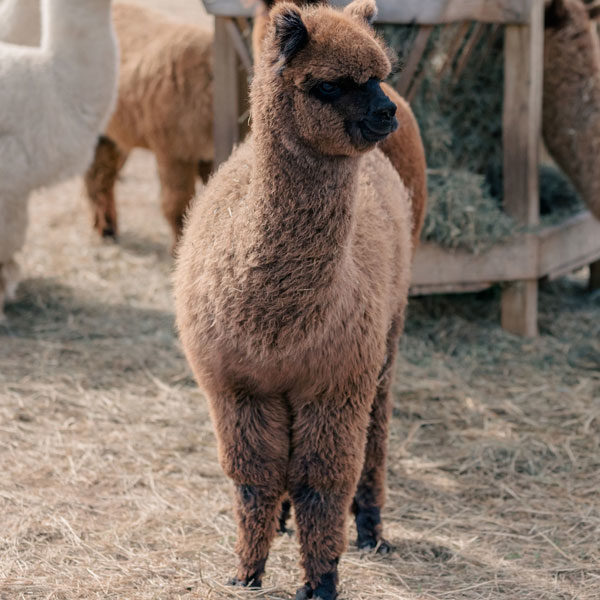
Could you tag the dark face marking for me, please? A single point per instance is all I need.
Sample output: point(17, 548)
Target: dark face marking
point(369, 115)
point(556, 15)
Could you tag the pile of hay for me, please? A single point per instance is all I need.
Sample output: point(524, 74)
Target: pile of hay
point(461, 123)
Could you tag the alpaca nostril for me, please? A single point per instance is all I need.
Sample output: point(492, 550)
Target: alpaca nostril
point(386, 113)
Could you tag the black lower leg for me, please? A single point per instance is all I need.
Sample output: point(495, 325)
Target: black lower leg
point(286, 507)
point(326, 589)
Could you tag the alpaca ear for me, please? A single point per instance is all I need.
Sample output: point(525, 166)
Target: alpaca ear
point(290, 31)
point(557, 13)
point(363, 10)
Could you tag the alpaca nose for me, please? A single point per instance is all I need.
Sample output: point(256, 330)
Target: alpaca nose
point(386, 111)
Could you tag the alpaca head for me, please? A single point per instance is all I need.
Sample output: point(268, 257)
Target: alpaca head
point(319, 75)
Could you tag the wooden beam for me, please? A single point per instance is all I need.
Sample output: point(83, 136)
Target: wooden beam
point(519, 308)
point(420, 12)
point(522, 117)
point(414, 58)
point(551, 252)
point(226, 92)
point(437, 266)
point(569, 246)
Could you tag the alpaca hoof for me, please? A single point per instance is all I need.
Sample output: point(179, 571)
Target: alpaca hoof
point(306, 593)
point(378, 546)
point(109, 232)
point(251, 583)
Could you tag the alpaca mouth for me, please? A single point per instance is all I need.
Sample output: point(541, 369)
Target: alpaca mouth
point(375, 132)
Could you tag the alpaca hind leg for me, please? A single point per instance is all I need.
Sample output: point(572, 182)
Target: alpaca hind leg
point(253, 435)
point(9, 281)
point(370, 493)
point(205, 168)
point(284, 515)
point(100, 180)
point(328, 446)
point(10, 276)
point(178, 184)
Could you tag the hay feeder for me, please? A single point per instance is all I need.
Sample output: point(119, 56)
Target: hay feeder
point(518, 264)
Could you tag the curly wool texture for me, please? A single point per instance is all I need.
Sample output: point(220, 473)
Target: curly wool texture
point(571, 123)
point(165, 104)
point(291, 284)
point(404, 147)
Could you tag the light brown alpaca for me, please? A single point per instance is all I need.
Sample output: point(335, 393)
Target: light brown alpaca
point(404, 147)
point(291, 284)
point(571, 113)
point(164, 104)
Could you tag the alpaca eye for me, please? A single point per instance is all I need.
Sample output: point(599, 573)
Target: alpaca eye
point(327, 91)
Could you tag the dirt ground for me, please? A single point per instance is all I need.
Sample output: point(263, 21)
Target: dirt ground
point(110, 487)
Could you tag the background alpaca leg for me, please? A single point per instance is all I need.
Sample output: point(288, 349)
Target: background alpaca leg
point(178, 185)
point(328, 448)
point(100, 181)
point(370, 493)
point(205, 168)
point(253, 436)
point(10, 279)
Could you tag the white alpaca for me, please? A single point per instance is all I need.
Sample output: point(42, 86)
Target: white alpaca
point(20, 22)
point(54, 101)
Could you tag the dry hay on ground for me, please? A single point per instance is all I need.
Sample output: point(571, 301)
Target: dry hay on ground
point(110, 486)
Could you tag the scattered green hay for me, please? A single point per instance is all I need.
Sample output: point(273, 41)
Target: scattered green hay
point(461, 125)
point(462, 213)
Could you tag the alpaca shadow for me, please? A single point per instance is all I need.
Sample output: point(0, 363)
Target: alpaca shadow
point(59, 332)
point(140, 245)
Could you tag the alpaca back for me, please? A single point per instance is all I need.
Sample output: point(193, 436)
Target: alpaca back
point(165, 84)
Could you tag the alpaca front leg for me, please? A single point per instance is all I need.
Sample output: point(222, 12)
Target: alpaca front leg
point(178, 185)
point(253, 436)
point(325, 465)
point(99, 182)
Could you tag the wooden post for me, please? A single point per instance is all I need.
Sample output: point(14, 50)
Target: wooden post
point(523, 79)
point(594, 276)
point(226, 92)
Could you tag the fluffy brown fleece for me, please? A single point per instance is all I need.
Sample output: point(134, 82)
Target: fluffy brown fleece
point(290, 285)
point(404, 147)
point(571, 121)
point(164, 105)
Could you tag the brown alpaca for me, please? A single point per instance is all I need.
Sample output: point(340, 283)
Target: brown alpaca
point(291, 284)
point(164, 105)
point(404, 147)
point(571, 113)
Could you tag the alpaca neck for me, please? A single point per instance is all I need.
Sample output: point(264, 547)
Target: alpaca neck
point(302, 206)
point(79, 40)
point(75, 26)
point(20, 22)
